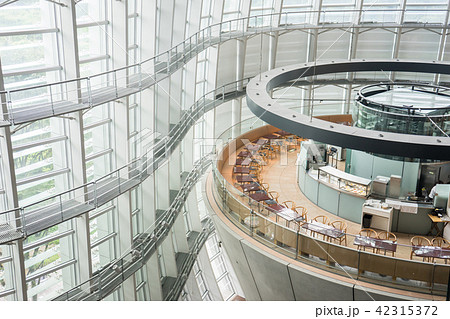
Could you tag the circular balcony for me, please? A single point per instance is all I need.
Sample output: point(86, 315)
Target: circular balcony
point(306, 243)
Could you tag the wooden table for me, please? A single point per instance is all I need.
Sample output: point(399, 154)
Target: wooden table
point(283, 133)
point(435, 220)
point(253, 147)
point(250, 187)
point(244, 154)
point(386, 245)
point(243, 161)
point(286, 213)
point(244, 179)
point(289, 216)
point(271, 136)
point(432, 252)
point(241, 170)
point(325, 230)
point(259, 197)
point(261, 141)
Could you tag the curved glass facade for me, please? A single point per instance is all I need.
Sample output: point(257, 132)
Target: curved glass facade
point(52, 54)
point(403, 108)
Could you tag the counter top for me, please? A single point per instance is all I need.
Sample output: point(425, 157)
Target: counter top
point(343, 175)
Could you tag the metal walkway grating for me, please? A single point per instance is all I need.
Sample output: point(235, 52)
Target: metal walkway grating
point(8, 233)
point(53, 214)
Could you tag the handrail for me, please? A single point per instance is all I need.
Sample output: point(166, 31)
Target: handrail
point(89, 193)
point(210, 35)
point(106, 279)
point(271, 228)
point(186, 268)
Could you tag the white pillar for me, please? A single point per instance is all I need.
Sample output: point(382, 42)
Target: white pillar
point(76, 135)
point(10, 185)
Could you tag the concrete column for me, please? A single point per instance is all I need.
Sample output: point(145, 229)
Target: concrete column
point(153, 278)
point(169, 257)
point(192, 206)
point(180, 234)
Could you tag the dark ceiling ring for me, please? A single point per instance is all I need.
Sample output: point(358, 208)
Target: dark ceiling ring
point(406, 145)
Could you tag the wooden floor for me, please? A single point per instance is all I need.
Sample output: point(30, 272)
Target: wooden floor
point(280, 173)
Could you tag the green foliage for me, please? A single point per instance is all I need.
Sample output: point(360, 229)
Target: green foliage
point(36, 189)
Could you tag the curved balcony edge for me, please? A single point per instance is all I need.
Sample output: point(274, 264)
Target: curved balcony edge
point(266, 272)
point(256, 238)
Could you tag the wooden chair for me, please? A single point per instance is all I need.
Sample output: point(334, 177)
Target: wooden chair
point(324, 220)
point(270, 151)
point(274, 195)
point(263, 154)
point(440, 242)
point(302, 211)
point(342, 226)
point(276, 145)
point(367, 232)
point(254, 165)
point(264, 186)
point(419, 241)
point(386, 235)
point(256, 174)
point(289, 204)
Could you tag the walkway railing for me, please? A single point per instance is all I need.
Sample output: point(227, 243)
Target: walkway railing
point(47, 100)
point(110, 276)
point(29, 219)
point(175, 291)
point(288, 238)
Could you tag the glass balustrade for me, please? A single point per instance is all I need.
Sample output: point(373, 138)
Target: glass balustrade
point(292, 239)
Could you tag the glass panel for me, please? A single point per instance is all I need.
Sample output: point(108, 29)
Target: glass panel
point(98, 167)
point(24, 51)
point(231, 5)
point(218, 266)
point(39, 160)
point(45, 257)
point(26, 14)
point(51, 285)
point(94, 144)
point(91, 10)
point(226, 287)
point(6, 270)
point(91, 41)
point(102, 254)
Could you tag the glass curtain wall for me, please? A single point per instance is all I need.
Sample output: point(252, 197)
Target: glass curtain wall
point(31, 50)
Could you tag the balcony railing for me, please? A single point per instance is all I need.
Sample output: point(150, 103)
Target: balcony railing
point(32, 218)
point(290, 239)
point(110, 276)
